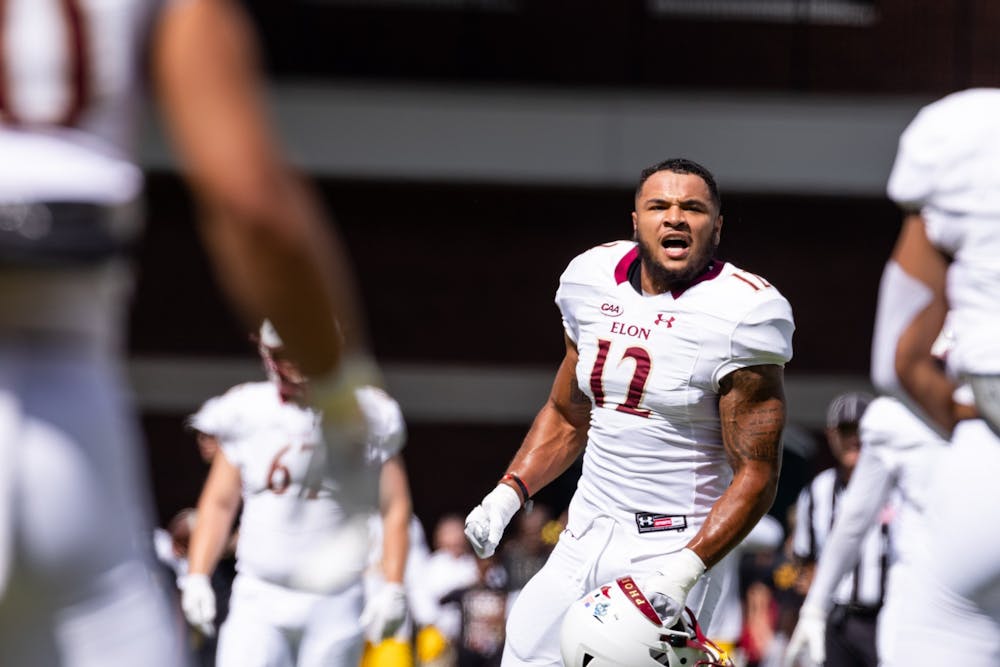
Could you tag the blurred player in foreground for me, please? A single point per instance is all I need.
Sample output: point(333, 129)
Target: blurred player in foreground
point(75, 586)
point(266, 442)
point(850, 634)
point(946, 178)
point(672, 384)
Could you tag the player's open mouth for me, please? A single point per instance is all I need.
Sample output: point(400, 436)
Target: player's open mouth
point(676, 248)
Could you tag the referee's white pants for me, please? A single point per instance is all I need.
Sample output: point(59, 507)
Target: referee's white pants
point(76, 585)
point(577, 565)
point(275, 626)
point(949, 601)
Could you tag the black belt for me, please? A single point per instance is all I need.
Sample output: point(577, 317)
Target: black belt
point(53, 234)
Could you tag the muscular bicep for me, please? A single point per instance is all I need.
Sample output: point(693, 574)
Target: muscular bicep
point(752, 414)
point(566, 395)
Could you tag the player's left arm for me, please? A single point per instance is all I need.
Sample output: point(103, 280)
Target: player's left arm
point(396, 509)
point(752, 412)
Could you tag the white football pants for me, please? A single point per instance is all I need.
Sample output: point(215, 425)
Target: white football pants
point(74, 508)
point(274, 626)
point(949, 603)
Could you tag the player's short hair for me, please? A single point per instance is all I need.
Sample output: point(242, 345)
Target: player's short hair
point(680, 165)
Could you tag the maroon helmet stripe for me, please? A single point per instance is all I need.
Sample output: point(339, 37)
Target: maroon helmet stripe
point(632, 592)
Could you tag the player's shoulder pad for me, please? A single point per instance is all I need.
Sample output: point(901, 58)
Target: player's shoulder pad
point(601, 264)
point(740, 291)
point(932, 154)
point(219, 415)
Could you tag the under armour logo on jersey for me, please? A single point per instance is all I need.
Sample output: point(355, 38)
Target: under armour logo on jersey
point(651, 522)
point(663, 318)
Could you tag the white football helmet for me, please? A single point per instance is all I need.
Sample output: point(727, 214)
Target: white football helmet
point(615, 626)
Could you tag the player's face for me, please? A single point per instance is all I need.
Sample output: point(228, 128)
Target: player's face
point(291, 382)
point(677, 227)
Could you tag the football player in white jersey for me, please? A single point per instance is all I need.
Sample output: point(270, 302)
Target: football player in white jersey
point(266, 442)
point(75, 583)
point(672, 387)
point(946, 177)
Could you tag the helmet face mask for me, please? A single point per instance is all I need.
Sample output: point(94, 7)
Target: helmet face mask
point(616, 626)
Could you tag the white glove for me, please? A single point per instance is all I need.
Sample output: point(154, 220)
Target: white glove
point(345, 425)
point(384, 612)
point(486, 522)
point(809, 635)
point(668, 590)
point(198, 602)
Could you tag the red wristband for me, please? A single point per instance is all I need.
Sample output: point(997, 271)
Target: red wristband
point(521, 486)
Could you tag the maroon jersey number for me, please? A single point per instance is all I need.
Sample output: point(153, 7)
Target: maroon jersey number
point(636, 386)
point(77, 77)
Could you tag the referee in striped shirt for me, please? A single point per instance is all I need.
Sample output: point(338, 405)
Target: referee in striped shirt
point(850, 629)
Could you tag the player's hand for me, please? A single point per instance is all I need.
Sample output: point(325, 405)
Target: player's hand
point(384, 612)
point(198, 602)
point(808, 638)
point(668, 589)
point(345, 429)
point(486, 522)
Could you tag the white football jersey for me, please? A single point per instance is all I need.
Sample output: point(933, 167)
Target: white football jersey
point(71, 82)
point(652, 365)
point(272, 443)
point(953, 179)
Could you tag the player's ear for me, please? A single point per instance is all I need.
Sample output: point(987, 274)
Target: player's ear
point(717, 231)
point(635, 222)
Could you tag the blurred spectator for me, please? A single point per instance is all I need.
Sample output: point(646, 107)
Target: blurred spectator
point(484, 615)
point(524, 553)
point(450, 567)
point(726, 626)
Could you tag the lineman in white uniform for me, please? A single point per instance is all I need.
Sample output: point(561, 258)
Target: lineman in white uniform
point(947, 177)
point(672, 382)
point(75, 584)
point(267, 441)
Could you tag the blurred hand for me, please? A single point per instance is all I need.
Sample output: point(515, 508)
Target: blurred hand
point(668, 589)
point(808, 638)
point(486, 522)
point(385, 612)
point(198, 602)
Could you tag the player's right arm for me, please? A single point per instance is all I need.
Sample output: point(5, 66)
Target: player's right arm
point(217, 507)
point(556, 438)
point(559, 433)
point(274, 251)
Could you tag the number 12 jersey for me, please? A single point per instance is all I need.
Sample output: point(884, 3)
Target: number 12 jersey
point(652, 366)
